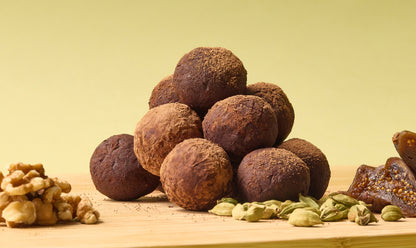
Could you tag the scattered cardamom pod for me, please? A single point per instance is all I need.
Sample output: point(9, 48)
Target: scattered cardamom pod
point(229, 200)
point(254, 213)
point(270, 212)
point(333, 214)
point(346, 200)
point(238, 212)
point(328, 203)
point(222, 209)
point(283, 205)
point(284, 214)
point(317, 211)
point(341, 206)
point(272, 202)
point(361, 215)
point(304, 218)
point(312, 202)
point(391, 213)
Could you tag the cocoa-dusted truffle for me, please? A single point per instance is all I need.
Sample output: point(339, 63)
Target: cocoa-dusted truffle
point(241, 124)
point(281, 105)
point(271, 173)
point(195, 174)
point(163, 93)
point(116, 173)
point(160, 129)
point(206, 75)
point(316, 161)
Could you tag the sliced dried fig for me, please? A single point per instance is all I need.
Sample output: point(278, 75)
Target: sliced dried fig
point(405, 143)
point(393, 183)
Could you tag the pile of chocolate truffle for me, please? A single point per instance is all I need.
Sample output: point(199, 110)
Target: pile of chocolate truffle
point(208, 135)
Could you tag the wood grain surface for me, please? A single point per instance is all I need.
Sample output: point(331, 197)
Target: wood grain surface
point(152, 221)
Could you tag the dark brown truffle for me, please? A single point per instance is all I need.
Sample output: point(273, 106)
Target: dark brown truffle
point(281, 105)
point(241, 124)
point(195, 174)
point(160, 129)
point(316, 161)
point(163, 93)
point(206, 75)
point(116, 173)
point(272, 173)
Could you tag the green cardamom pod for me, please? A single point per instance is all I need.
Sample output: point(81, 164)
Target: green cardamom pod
point(391, 213)
point(284, 214)
point(329, 203)
point(238, 212)
point(361, 215)
point(309, 200)
point(246, 205)
point(304, 218)
point(229, 200)
point(354, 212)
point(270, 212)
point(317, 211)
point(340, 206)
point(283, 205)
point(333, 214)
point(272, 202)
point(363, 220)
point(344, 199)
point(254, 213)
point(222, 209)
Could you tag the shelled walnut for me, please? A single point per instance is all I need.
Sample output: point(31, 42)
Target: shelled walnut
point(28, 196)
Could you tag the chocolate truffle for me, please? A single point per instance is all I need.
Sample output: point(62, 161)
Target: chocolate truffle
point(283, 109)
point(316, 161)
point(163, 93)
point(195, 174)
point(241, 124)
point(206, 75)
point(272, 173)
point(160, 129)
point(116, 173)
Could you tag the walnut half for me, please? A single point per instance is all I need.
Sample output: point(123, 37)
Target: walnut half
point(19, 213)
point(86, 213)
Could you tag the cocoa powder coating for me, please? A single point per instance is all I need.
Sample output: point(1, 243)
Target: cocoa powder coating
point(116, 173)
point(272, 173)
point(281, 105)
point(163, 93)
point(196, 173)
point(160, 129)
point(316, 161)
point(241, 124)
point(206, 75)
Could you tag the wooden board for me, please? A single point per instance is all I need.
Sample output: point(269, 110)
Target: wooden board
point(152, 221)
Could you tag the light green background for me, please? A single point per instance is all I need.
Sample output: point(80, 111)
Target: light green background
point(73, 73)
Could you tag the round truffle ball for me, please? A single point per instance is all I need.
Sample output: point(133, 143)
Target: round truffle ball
point(195, 174)
point(241, 124)
point(281, 105)
point(161, 129)
point(163, 93)
point(206, 75)
point(271, 173)
point(116, 173)
point(316, 161)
